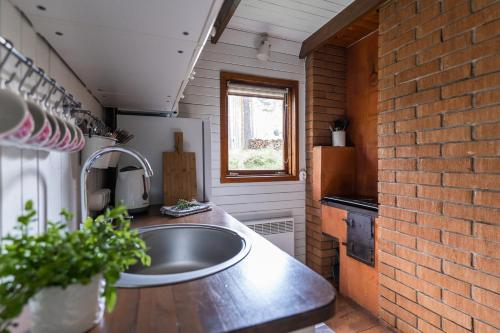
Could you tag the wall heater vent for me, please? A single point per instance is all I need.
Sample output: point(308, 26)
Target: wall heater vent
point(278, 231)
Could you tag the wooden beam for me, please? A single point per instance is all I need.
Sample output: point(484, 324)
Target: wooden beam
point(343, 19)
point(226, 12)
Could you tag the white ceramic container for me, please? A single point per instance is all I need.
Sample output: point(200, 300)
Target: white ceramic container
point(338, 138)
point(75, 309)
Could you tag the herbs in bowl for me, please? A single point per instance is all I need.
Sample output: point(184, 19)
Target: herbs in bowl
point(66, 274)
point(184, 207)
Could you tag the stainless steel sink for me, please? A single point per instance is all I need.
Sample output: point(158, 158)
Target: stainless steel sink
point(182, 252)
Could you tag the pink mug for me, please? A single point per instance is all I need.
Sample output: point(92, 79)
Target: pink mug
point(42, 130)
point(56, 132)
point(16, 122)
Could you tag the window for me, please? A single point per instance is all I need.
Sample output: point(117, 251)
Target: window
point(259, 139)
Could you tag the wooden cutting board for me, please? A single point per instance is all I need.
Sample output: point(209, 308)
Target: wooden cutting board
point(179, 173)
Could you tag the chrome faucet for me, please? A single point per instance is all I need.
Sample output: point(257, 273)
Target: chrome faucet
point(87, 165)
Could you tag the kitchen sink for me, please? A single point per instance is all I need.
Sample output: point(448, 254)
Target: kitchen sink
point(182, 252)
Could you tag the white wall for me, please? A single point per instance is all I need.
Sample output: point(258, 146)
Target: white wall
point(236, 52)
point(49, 179)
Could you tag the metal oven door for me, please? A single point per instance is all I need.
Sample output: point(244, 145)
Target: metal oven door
point(360, 237)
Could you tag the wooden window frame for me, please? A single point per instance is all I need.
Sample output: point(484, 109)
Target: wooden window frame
point(291, 140)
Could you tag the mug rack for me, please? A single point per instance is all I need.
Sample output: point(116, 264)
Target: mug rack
point(44, 121)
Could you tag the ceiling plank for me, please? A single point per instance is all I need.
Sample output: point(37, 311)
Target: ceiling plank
point(226, 12)
point(343, 19)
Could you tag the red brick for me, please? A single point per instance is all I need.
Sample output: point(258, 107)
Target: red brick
point(425, 327)
point(485, 297)
point(433, 150)
point(397, 164)
point(480, 4)
point(473, 308)
point(398, 311)
point(479, 181)
point(396, 140)
point(444, 281)
point(445, 311)
point(396, 115)
point(399, 189)
point(471, 21)
point(490, 97)
point(418, 310)
point(386, 176)
point(386, 152)
point(405, 327)
point(487, 131)
point(422, 97)
point(473, 116)
point(397, 91)
point(479, 246)
point(444, 135)
point(435, 164)
point(471, 85)
point(445, 223)
point(442, 49)
point(444, 252)
point(419, 231)
point(450, 16)
point(424, 178)
point(472, 213)
point(418, 124)
point(487, 265)
point(397, 67)
point(488, 165)
point(418, 71)
point(418, 284)
point(450, 327)
point(419, 258)
point(387, 270)
point(472, 276)
point(453, 104)
point(439, 79)
point(388, 317)
point(397, 213)
point(487, 199)
point(487, 65)
point(421, 205)
point(398, 238)
point(445, 194)
point(487, 31)
point(398, 287)
point(476, 51)
point(387, 293)
point(480, 327)
point(418, 45)
point(480, 148)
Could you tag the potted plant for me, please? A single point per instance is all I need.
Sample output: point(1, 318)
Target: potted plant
point(65, 276)
point(338, 131)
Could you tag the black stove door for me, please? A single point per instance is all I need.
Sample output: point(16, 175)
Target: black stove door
point(360, 237)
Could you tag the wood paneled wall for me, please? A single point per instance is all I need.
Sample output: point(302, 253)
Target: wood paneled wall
point(49, 179)
point(361, 86)
point(326, 100)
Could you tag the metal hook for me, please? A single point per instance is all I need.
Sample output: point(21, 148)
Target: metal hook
point(27, 74)
point(41, 73)
point(52, 89)
point(63, 96)
point(13, 75)
point(9, 46)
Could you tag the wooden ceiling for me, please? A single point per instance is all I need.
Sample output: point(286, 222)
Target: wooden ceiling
point(357, 30)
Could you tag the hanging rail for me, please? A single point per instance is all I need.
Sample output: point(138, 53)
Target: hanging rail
point(68, 98)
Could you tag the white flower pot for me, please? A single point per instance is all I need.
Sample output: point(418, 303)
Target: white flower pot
point(338, 138)
point(75, 309)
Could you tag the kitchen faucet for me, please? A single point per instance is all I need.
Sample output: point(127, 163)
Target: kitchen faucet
point(87, 165)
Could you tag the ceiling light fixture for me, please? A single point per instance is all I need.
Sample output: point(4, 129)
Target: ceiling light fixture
point(59, 33)
point(264, 52)
point(42, 8)
point(180, 51)
point(185, 33)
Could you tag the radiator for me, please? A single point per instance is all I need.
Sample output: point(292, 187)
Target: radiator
point(278, 231)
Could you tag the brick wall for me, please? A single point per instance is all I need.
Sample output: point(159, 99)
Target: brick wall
point(439, 165)
point(325, 100)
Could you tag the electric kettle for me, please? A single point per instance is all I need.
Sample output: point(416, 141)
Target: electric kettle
point(132, 189)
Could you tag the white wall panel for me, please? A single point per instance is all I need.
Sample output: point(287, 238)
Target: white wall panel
point(236, 52)
point(49, 179)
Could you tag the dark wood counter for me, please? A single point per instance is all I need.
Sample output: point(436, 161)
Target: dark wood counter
point(268, 291)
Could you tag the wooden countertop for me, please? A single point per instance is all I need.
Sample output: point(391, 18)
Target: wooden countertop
point(268, 291)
